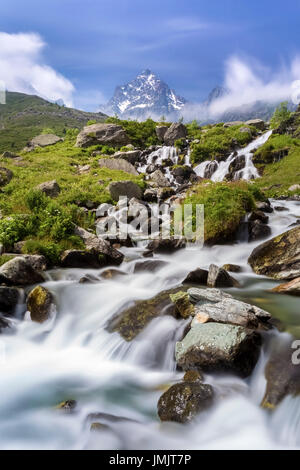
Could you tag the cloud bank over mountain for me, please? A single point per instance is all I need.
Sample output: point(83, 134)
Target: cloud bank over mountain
point(23, 69)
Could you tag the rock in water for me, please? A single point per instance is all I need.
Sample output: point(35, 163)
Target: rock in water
point(40, 304)
point(219, 347)
point(198, 276)
point(279, 257)
point(9, 298)
point(104, 134)
point(19, 272)
point(218, 277)
point(183, 305)
point(292, 287)
point(183, 401)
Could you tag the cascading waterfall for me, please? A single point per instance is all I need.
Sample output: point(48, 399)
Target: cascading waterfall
point(74, 357)
point(222, 168)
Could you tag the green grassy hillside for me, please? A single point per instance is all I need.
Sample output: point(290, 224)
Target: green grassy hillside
point(25, 116)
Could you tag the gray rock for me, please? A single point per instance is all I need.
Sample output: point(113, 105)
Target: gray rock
point(19, 272)
point(258, 230)
point(279, 257)
point(233, 123)
point(259, 215)
point(161, 132)
point(246, 130)
point(105, 134)
point(168, 245)
point(294, 187)
point(118, 164)
point(218, 277)
point(132, 157)
point(264, 207)
point(159, 179)
point(50, 188)
point(257, 123)
point(6, 176)
point(43, 140)
point(183, 401)
point(175, 132)
point(102, 248)
point(198, 276)
point(207, 295)
point(219, 347)
point(125, 188)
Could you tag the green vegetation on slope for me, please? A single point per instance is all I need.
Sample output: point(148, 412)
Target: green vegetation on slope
point(141, 134)
point(25, 116)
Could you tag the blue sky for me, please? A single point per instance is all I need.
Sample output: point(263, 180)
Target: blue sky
point(98, 44)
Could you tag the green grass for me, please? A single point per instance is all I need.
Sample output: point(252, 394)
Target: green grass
point(225, 204)
point(5, 258)
point(274, 147)
point(141, 134)
point(217, 141)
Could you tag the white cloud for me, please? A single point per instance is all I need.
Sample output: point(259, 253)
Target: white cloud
point(22, 68)
point(249, 81)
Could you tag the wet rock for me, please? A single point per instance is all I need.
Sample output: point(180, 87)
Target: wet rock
point(236, 165)
point(258, 215)
point(89, 279)
point(291, 288)
point(50, 188)
point(9, 299)
point(168, 245)
point(233, 312)
point(264, 206)
point(210, 169)
point(280, 209)
point(232, 268)
point(279, 257)
point(133, 320)
point(150, 195)
point(183, 401)
point(218, 277)
point(40, 304)
point(258, 230)
point(4, 323)
point(183, 305)
point(159, 179)
point(125, 188)
point(84, 259)
point(6, 176)
point(103, 134)
point(67, 406)
point(193, 376)
point(112, 273)
point(161, 132)
point(19, 272)
point(102, 248)
point(118, 164)
point(198, 276)
point(183, 173)
point(283, 377)
point(149, 265)
point(175, 131)
point(219, 347)
point(198, 296)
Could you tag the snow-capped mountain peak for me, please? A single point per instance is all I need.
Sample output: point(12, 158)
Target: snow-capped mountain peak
point(146, 95)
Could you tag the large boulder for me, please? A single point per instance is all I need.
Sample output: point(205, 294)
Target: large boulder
point(50, 188)
point(40, 304)
point(257, 123)
point(9, 299)
point(279, 257)
point(198, 276)
point(106, 253)
point(159, 179)
point(161, 132)
point(19, 272)
point(104, 134)
point(5, 176)
point(84, 259)
point(132, 156)
point(118, 164)
point(219, 347)
point(125, 188)
point(282, 375)
point(43, 140)
point(175, 132)
point(166, 245)
point(183, 401)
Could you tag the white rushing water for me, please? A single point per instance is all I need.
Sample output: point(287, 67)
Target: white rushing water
point(222, 168)
point(74, 357)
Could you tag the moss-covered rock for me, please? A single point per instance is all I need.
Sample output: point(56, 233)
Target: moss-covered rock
point(133, 320)
point(40, 304)
point(183, 401)
point(280, 257)
point(183, 305)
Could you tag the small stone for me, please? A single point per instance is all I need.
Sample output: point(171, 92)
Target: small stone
point(218, 277)
point(40, 304)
